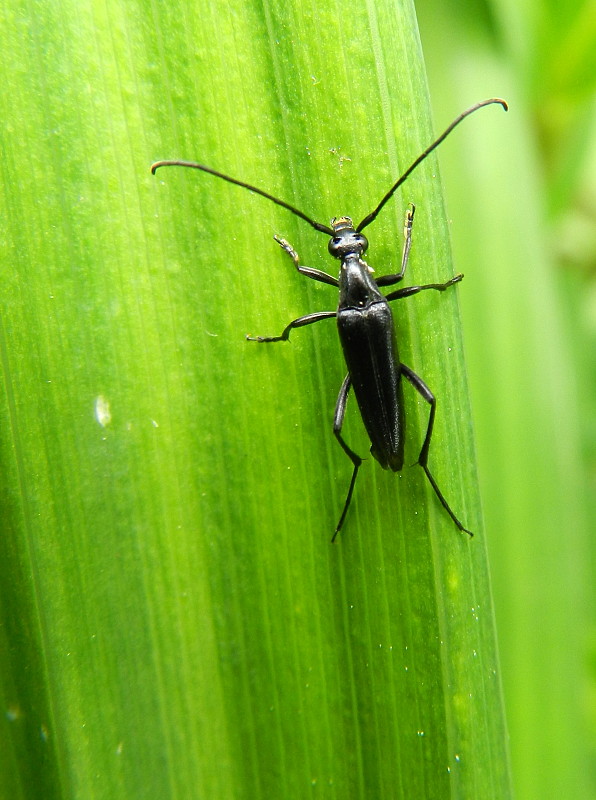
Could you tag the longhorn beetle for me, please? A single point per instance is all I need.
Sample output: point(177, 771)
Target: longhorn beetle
point(366, 329)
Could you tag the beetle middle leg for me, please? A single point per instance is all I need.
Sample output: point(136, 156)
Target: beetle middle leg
point(426, 393)
point(308, 319)
point(407, 291)
point(338, 421)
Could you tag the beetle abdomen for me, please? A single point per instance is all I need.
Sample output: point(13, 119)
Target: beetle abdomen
point(368, 341)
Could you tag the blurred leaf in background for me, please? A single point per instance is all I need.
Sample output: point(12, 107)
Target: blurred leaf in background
point(522, 199)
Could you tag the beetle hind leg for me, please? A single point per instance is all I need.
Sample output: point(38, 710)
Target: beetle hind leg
point(338, 421)
point(426, 393)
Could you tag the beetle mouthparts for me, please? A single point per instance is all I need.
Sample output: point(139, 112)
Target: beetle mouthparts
point(341, 224)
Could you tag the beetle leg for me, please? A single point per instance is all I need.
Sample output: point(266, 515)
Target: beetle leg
point(338, 421)
point(389, 280)
point(410, 290)
point(296, 323)
point(426, 393)
point(315, 274)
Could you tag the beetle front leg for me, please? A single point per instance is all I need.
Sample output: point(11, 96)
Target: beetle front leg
point(426, 393)
point(389, 280)
point(315, 274)
point(338, 421)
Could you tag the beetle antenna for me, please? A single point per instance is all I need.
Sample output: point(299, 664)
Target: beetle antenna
point(318, 226)
point(373, 215)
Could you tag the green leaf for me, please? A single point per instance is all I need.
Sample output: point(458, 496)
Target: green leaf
point(177, 623)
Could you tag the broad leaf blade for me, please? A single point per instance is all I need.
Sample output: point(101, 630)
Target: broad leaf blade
point(171, 488)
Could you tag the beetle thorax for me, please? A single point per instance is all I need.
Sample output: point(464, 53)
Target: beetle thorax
point(357, 288)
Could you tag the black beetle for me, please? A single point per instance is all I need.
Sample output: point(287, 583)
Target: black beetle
point(366, 328)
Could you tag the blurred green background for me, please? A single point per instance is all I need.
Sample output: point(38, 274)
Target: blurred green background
point(167, 630)
point(523, 208)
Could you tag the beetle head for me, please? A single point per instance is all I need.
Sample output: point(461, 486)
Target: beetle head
point(346, 240)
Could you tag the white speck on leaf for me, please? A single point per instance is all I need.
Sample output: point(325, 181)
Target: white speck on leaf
point(102, 411)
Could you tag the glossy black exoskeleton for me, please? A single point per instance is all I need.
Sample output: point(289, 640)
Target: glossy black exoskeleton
point(366, 328)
